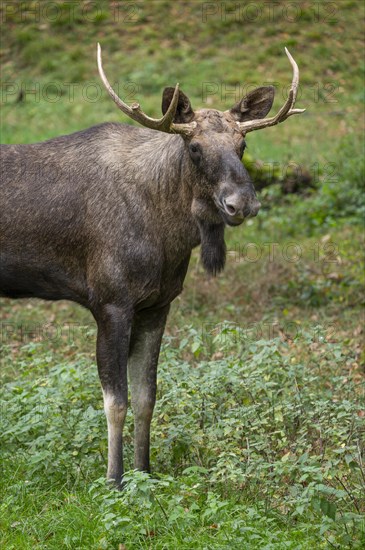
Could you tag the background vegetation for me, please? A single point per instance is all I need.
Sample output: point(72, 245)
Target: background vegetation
point(258, 434)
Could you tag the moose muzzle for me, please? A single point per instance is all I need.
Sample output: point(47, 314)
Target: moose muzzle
point(236, 207)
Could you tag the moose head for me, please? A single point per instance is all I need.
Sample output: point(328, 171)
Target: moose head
point(215, 142)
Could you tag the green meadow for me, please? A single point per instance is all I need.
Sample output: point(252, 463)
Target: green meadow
point(259, 427)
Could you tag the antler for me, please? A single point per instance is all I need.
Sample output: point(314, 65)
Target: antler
point(164, 124)
point(286, 110)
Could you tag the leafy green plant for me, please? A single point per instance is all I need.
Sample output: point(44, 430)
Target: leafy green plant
point(257, 429)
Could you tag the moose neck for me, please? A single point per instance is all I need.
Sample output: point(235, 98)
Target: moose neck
point(187, 219)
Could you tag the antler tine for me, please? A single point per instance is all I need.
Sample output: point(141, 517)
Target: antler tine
point(295, 79)
point(135, 112)
point(286, 110)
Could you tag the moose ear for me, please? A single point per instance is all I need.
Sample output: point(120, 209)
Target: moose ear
point(184, 112)
point(254, 105)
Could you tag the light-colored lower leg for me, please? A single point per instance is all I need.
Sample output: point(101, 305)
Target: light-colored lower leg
point(115, 412)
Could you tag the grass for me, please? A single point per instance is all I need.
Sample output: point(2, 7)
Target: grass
point(258, 432)
point(258, 443)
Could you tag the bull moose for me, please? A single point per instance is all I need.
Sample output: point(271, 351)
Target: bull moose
point(107, 217)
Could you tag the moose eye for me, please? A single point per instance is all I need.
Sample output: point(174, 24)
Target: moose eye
point(195, 152)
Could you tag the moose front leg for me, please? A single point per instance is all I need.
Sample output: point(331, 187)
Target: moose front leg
point(147, 331)
point(114, 327)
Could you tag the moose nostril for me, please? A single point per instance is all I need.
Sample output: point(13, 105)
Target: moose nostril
point(230, 208)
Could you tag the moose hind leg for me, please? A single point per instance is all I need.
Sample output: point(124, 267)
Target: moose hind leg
point(147, 331)
point(112, 356)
